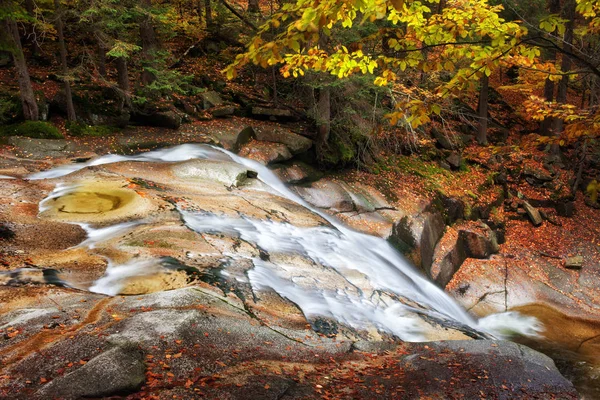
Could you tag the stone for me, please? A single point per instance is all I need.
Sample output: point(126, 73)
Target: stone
point(444, 164)
point(417, 236)
point(294, 142)
point(454, 209)
point(114, 372)
point(297, 172)
point(231, 136)
point(328, 195)
point(162, 119)
point(275, 113)
point(221, 112)
point(448, 257)
point(479, 242)
point(513, 370)
point(533, 214)
point(445, 140)
point(538, 174)
point(266, 152)
point(454, 160)
point(574, 262)
point(41, 148)
point(228, 173)
point(210, 99)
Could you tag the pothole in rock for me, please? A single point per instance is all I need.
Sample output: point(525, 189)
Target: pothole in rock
point(92, 202)
point(102, 202)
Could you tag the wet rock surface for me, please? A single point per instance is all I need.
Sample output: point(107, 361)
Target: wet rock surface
point(212, 334)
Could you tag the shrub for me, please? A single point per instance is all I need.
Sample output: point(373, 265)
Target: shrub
point(32, 129)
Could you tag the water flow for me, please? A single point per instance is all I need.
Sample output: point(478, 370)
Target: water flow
point(372, 277)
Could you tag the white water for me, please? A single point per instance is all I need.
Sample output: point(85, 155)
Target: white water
point(114, 279)
point(337, 247)
point(178, 153)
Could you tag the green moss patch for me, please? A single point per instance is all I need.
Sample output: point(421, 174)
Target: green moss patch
point(32, 129)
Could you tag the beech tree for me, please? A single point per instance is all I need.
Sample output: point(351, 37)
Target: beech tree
point(10, 40)
point(468, 39)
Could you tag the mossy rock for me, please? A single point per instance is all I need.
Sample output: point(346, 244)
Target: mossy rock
point(78, 129)
point(32, 129)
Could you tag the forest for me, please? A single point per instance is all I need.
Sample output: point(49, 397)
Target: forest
point(330, 182)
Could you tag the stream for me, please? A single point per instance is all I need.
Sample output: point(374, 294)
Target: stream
point(398, 294)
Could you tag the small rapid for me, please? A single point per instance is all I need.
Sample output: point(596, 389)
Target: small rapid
point(396, 292)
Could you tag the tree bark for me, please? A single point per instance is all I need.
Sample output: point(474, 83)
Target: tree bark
point(483, 110)
point(30, 33)
point(122, 74)
point(565, 65)
point(149, 45)
point(208, 14)
point(63, 61)
point(30, 107)
point(101, 59)
point(253, 6)
point(323, 114)
point(546, 125)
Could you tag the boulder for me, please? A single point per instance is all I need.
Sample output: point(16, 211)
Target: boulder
point(228, 173)
point(222, 112)
point(472, 369)
point(533, 214)
point(445, 140)
point(454, 160)
point(162, 119)
point(294, 142)
point(266, 152)
point(231, 135)
point(272, 113)
point(448, 257)
point(478, 241)
point(328, 195)
point(41, 148)
point(210, 99)
point(114, 372)
point(417, 236)
point(297, 172)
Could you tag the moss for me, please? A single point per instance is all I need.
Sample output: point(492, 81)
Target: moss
point(10, 108)
point(468, 210)
point(77, 129)
point(32, 129)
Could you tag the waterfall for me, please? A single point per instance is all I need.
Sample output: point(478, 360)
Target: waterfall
point(350, 255)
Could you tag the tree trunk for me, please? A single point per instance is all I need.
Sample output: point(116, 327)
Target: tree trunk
point(63, 61)
point(546, 125)
point(30, 107)
point(101, 59)
point(30, 34)
point(149, 45)
point(122, 74)
point(208, 14)
point(200, 10)
point(253, 6)
point(483, 110)
point(323, 114)
point(565, 67)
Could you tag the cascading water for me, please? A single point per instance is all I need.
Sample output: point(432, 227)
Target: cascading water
point(351, 255)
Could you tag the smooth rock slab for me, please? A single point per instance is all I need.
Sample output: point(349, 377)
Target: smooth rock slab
point(481, 368)
point(295, 143)
point(227, 173)
point(115, 371)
